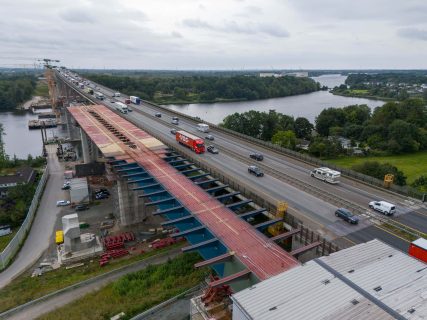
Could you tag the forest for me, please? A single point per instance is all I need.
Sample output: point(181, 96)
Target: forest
point(192, 89)
point(15, 89)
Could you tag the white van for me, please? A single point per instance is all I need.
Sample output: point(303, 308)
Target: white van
point(326, 174)
point(383, 207)
point(203, 127)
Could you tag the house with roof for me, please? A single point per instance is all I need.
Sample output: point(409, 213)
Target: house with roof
point(22, 175)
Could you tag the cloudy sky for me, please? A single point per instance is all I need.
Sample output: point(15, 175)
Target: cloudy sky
point(216, 34)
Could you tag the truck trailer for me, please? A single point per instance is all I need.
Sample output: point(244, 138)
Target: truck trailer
point(135, 100)
point(418, 249)
point(191, 141)
point(121, 107)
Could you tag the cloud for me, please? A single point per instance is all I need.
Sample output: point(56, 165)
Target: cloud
point(273, 30)
point(412, 33)
point(77, 16)
point(176, 34)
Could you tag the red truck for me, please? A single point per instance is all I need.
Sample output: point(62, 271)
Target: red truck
point(127, 101)
point(418, 249)
point(191, 141)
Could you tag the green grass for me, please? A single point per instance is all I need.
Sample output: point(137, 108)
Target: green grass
point(413, 165)
point(359, 91)
point(24, 288)
point(135, 292)
point(41, 89)
point(4, 240)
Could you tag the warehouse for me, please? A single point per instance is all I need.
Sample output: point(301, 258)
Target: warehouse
point(367, 281)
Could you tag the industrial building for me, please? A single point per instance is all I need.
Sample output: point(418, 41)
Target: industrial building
point(367, 281)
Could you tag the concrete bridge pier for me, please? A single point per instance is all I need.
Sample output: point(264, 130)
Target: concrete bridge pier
point(130, 208)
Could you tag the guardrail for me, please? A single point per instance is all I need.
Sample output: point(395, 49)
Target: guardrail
point(13, 247)
point(402, 190)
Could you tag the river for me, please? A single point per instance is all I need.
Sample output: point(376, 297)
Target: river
point(21, 141)
point(304, 105)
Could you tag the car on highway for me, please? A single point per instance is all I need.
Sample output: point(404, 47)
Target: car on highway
point(62, 203)
point(112, 101)
point(173, 131)
point(257, 156)
point(384, 207)
point(158, 115)
point(346, 215)
point(255, 171)
point(175, 122)
point(82, 207)
point(212, 149)
point(210, 137)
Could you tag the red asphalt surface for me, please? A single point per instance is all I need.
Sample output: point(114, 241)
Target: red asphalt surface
point(261, 256)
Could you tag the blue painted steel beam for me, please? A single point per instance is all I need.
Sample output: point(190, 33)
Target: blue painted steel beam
point(139, 180)
point(184, 165)
point(217, 188)
point(218, 259)
point(199, 176)
point(155, 193)
point(147, 186)
point(199, 245)
point(129, 169)
point(133, 174)
point(121, 165)
point(252, 213)
point(199, 183)
point(158, 212)
point(228, 195)
point(190, 170)
point(153, 203)
point(176, 161)
point(185, 232)
point(264, 225)
point(171, 222)
point(238, 204)
point(171, 157)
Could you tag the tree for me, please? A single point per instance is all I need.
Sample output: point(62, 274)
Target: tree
point(402, 137)
point(379, 170)
point(331, 117)
point(303, 128)
point(285, 139)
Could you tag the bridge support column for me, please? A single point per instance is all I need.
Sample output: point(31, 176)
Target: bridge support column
point(131, 209)
point(85, 146)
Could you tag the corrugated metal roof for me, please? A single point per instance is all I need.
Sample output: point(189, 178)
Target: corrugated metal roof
point(311, 292)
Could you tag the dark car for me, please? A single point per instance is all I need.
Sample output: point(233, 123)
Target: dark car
point(81, 207)
point(158, 115)
point(66, 187)
point(210, 137)
point(257, 156)
point(102, 190)
point(212, 149)
point(346, 215)
point(256, 171)
point(173, 131)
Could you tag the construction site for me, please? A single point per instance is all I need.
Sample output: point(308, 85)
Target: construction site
point(157, 196)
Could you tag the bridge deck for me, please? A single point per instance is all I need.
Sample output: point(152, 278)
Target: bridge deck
point(261, 256)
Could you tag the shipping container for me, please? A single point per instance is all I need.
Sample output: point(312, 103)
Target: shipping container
point(135, 100)
point(418, 249)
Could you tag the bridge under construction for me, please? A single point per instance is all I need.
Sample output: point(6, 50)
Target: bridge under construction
point(237, 251)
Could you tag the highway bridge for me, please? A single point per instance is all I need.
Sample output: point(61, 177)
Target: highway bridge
point(287, 179)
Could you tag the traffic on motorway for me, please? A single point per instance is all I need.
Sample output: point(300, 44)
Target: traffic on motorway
point(314, 193)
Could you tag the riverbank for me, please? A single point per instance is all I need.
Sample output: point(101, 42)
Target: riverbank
point(361, 94)
point(27, 104)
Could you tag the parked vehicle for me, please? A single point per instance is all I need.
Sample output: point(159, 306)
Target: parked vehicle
point(121, 107)
point(202, 127)
point(210, 137)
point(212, 149)
point(384, 207)
point(66, 186)
point(256, 171)
point(135, 100)
point(158, 114)
point(62, 203)
point(418, 249)
point(191, 141)
point(326, 174)
point(346, 215)
point(81, 207)
point(257, 156)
